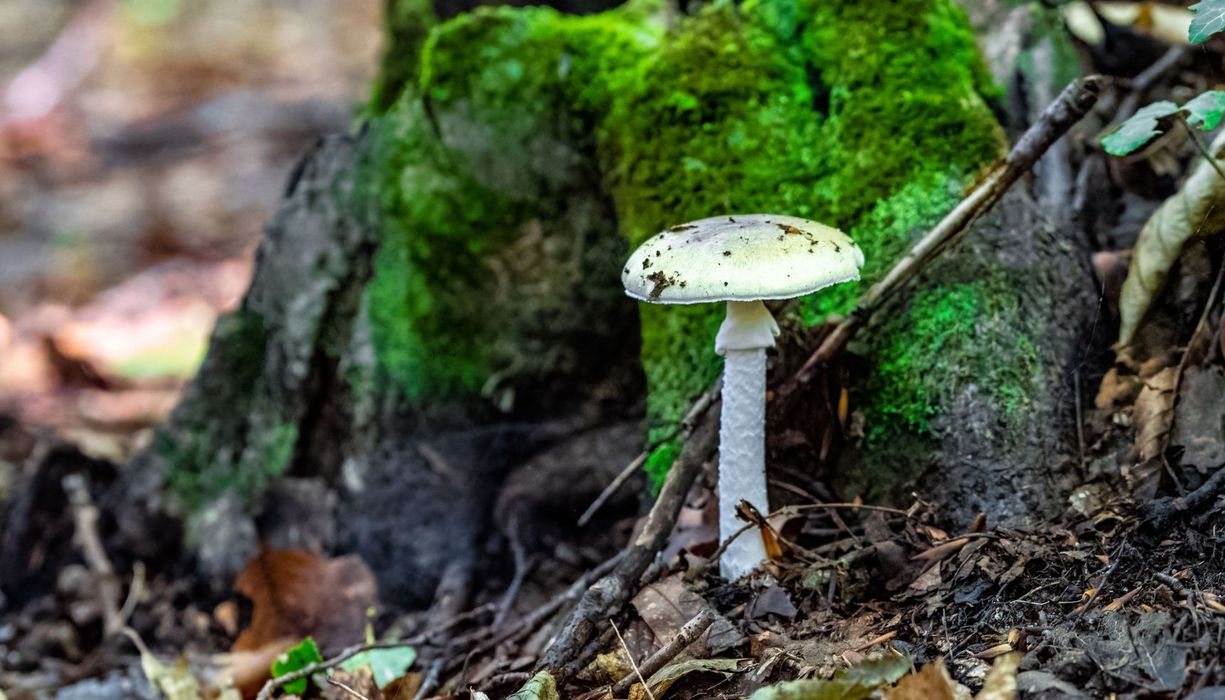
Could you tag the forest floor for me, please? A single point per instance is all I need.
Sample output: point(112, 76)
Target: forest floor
point(1120, 596)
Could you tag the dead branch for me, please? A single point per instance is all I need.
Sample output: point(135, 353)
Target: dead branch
point(686, 636)
point(85, 519)
point(606, 597)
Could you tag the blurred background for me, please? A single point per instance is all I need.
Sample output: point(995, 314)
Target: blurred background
point(143, 143)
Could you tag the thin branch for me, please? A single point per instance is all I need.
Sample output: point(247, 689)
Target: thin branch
point(605, 598)
point(85, 521)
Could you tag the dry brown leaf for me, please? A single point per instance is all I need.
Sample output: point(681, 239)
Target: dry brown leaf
point(247, 670)
point(1197, 209)
point(1116, 390)
point(1154, 413)
point(932, 682)
point(298, 594)
point(1001, 683)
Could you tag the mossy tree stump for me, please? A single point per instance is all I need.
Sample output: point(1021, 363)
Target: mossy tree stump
point(468, 244)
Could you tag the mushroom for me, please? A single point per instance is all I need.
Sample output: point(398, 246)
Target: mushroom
point(741, 260)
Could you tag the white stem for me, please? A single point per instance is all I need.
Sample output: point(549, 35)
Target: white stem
point(742, 432)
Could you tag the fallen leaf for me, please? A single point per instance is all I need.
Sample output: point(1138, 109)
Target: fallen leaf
point(540, 687)
point(1154, 413)
point(386, 665)
point(1197, 208)
point(932, 682)
point(299, 594)
point(246, 670)
point(360, 681)
point(174, 682)
point(771, 601)
point(666, 676)
point(858, 682)
point(1116, 390)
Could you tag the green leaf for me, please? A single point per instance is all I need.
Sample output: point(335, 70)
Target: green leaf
point(296, 659)
point(540, 687)
point(1208, 20)
point(386, 665)
point(1206, 110)
point(858, 682)
point(1138, 130)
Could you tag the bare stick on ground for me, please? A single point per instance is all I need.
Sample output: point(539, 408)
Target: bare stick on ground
point(609, 594)
point(85, 519)
point(686, 636)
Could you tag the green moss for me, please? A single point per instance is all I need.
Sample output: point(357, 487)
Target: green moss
point(209, 454)
point(485, 192)
point(819, 109)
point(868, 116)
point(921, 357)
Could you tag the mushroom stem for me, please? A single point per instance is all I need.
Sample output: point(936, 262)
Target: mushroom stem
point(743, 338)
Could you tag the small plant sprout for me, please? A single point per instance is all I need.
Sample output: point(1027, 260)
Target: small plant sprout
point(741, 260)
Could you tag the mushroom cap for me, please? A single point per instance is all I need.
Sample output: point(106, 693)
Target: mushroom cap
point(740, 258)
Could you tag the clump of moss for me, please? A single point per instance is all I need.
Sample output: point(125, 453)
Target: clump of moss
point(819, 109)
point(868, 116)
point(921, 356)
point(207, 454)
point(482, 174)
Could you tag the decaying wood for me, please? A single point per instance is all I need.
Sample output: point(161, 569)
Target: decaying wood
point(610, 593)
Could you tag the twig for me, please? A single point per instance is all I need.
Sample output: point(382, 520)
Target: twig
point(135, 591)
point(630, 656)
point(306, 671)
point(606, 597)
point(1072, 104)
point(431, 680)
point(613, 486)
point(522, 565)
point(347, 689)
point(683, 431)
point(85, 520)
point(687, 635)
point(537, 617)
